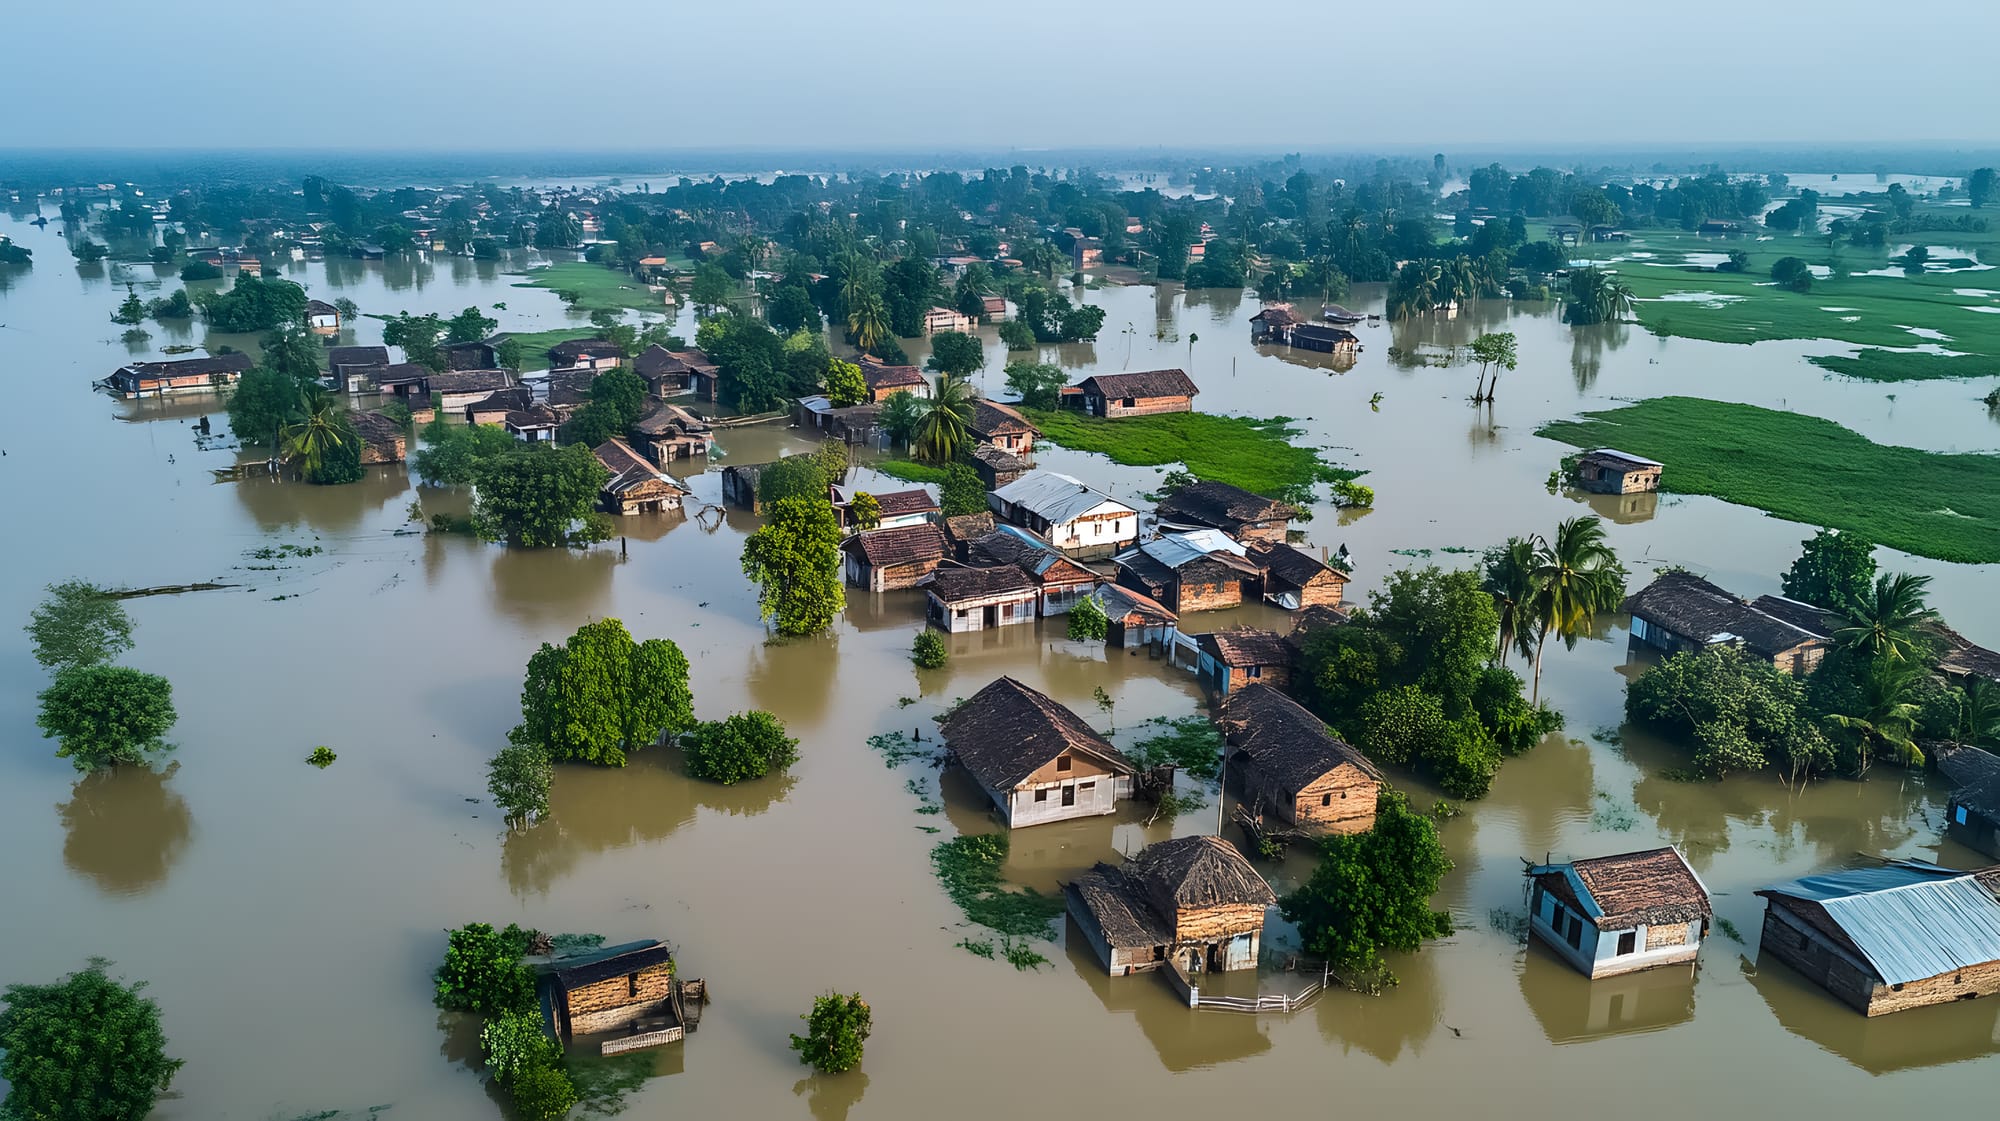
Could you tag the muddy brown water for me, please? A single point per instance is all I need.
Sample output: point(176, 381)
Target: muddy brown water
point(288, 918)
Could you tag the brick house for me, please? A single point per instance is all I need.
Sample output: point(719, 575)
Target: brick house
point(1141, 393)
point(1035, 759)
point(1233, 510)
point(1203, 570)
point(884, 560)
point(1240, 656)
point(1290, 763)
point(1294, 578)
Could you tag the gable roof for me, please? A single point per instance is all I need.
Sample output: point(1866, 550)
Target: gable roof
point(233, 363)
point(1323, 333)
point(376, 429)
point(1010, 544)
point(629, 470)
point(1907, 919)
point(1628, 889)
point(978, 582)
point(1007, 731)
point(1174, 550)
point(470, 381)
point(903, 503)
point(1222, 506)
point(909, 544)
point(990, 418)
point(878, 375)
point(1121, 603)
point(1964, 657)
point(657, 361)
point(1975, 777)
point(1275, 315)
point(999, 458)
point(572, 349)
point(1292, 565)
point(1054, 497)
point(1246, 646)
point(1284, 740)
point(338, 356)
point(1201, 871)
point(1688, 605)
point(1142, 383)
point(605, 969)
point(534, 416)
point(966, 527)
point(1612, 457)
point(320, 307)
point(399, 373)
point(1120, 909)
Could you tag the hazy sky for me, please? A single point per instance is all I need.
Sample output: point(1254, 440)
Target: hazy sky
point(936, 75)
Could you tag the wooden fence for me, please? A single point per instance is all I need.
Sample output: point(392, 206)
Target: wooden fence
point(1184, 985)
point(643, 1039)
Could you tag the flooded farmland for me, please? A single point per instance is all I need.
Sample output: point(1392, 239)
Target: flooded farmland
point(288, 918)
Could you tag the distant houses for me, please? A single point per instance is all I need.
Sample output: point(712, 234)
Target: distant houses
point(1035, 759)
point(1610, 471)
point(1681, 611)
point(1617, 914)
point(1291, 765)
point(179, 375)
point(1077, 521)
point(1193, 904)
point(1900, 935)
point(1278, 325)
point(1141, 393)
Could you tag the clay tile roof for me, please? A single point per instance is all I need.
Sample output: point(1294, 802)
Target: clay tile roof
point(1142, 383)
point(910, 544)
point(954, 584)
point(880, 376)
point(655, 361)
point(1275, 315)
point(999, 458)
point(966, 527)
point(1222, 506)
point(1284, 740)
point(1007, 731)
point(375, 428)
point(1124, 604)
point(901, 503)
point(1247, 646)
point(1294, 566)
point(1688, 605)
point(470, 381)
point(1654, 886)
point(1201, 871)
point(990, 418)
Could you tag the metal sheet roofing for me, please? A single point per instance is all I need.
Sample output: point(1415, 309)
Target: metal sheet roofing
point(1176, 549)
point(1054, 496)
point(1909, 919)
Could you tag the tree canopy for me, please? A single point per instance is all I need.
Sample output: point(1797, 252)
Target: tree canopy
point(1371, 892)
point(744, 746)
point(78, 624)
point(601, 695)
point(254, 304)
point(1834, 570)
point(795, 558)
point(86, 1048)
point(956, 354)
point(1037, 384)
point(535, 496)
point(107, 716)
point(836, 1029)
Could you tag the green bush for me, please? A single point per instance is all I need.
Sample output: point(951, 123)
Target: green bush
point(543, 1093)
point(929, 651)
point(836, 1028)
point(482, 971)
point(745, 746)
point(515, 1042)
point(1087, 622)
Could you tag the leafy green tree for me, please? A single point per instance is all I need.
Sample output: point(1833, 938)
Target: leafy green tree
point(78, 624)
point(790, 308)
point(514, 1042)
point(252, 304)
point(865, 509)
point(107, 716)
point(1979, 187)
point(601, 695)
point(418, 335)
point(1017, 335)
point(795, 558)
point(543, 1093)
point(341, 464)
point(1884, 724)
point(292, 350)
point(90, 252)
point(452, 454)
point(1577, 577)
point(132, 311)
point(845, 386)
point(944, 432)
point(1792, 273)
point(1371, 892)
point(1442, 628)
point(556, 229)
point(1596, 296)
point(712, 287)
point(745, 746)
point(483, 972)
point(928, 651)
point(1737, 713)
point(1508, 575)
point(868, 322)
point(836, 1029)
point(1038, 384)
point(519, 778)
point(468, 326)
point(176, 306)
point(308, 443)
point(1891, 622)
point(902, 412)
point(200, 270)
point(961, 492)
point(795, 476)
point(1087, 622)
point(1494, 352)
point(537, 497)
point(86, 1048)
point(263, 404)
point(956, 354)
point(1834, 570)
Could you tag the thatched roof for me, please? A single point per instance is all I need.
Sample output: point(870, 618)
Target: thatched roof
point(1687, 605)
point(1222, 506)
point(1629, 889)
point(1201, 871)
point(910, 544)
point(606, 968)
point(1282, 739)
point(1292, 565)
point(1119, 908)
point(956, 584)
point(1008, 731)
point(1975, 778)
point(1141, 384)
point(1246, 646)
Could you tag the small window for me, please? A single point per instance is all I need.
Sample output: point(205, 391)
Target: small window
point(1069, 796)
point(1254, 671)
point(1628, 942)
point(1063, 763)
point(1091, 785)
point(1041, 795)
point(1575, 937)
point(1802, 940)
point(631, 984)
point(1897, 987)
point(1327, 799)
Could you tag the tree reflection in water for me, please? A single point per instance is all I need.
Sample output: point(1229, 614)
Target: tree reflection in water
point(831, 1096)
point(124, 828)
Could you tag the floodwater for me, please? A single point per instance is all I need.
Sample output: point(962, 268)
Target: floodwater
point(288, 918)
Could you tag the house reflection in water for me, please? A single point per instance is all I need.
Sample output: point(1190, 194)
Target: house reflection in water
point(1184, 1038)
point(1621, 509)
point(1574, 1009)
point(1926, 1037)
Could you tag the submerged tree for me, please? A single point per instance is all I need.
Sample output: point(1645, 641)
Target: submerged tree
point(519, 778)
point(1509, 577)
point(600, 695)
point(1834, 570)
point(1576, 577)
point(795, 558)
point(1596, 296)
point(836, 1029)
point(744, 746)
point(78, 624)
point(943, 431)
point(1371, 892)
point(1494, 352)
point(107, 716)
point(86, 1048)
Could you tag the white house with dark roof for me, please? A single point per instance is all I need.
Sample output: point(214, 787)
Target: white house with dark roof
point(1077, 521)
point(1616, 914)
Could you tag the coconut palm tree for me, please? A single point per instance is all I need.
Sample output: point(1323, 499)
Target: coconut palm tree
point(1892, 623)
point(1886, 726)
point(943, 430)
point(1576, 576)
point(1979, 715)
point(1596, 296)
point(901, 414)
point(307, 443)
point(1510, 580)
point(868, 320)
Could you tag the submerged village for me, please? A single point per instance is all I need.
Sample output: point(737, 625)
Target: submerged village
point(887, 626)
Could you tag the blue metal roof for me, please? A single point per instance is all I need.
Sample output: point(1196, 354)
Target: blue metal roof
point(1909, 919)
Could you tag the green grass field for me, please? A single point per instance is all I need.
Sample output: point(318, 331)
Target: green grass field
point(1809, 470)
point(602, 289)
point(1901, 365)
point(535, 344)
point(1257, 455)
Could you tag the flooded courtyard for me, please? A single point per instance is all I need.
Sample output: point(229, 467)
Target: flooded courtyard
point(288, 918)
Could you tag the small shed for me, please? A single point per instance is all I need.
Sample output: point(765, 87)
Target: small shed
point(1037, 760)
point(1889, 938)
point(1291, 764)
point(612, 993)
point(994, 423)
point(739, 486)
point(996, 466)
point(1240, 656)
point(1610, 471)
point(635, 486)
point(981, 598)
point(1616, 914)
point(382, 439)
point(1231, 509)
point(1972, 815)
point(1134, 619)
point(884, 560)
point(1294, 578)
point(1139, 393)
point(1191, 902)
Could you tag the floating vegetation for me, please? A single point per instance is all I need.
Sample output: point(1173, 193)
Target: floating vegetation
point(895, 747)
point(573, 943)
point(1729, 931)
point(1514, 924)
point(922, 789)
point(1605, 733)
point(1021, 955)
point(980, 948)
point(322, 757)
point(284, 552)
point(1190, 743)
point(969, 869)
point(1612, 815)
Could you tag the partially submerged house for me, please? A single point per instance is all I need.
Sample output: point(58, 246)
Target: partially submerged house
point(1035, 759)
point(883, 379)
point(739, 486)
point(1294, 578)
point(1078, 521)
point(475, 354)
point(899, 508)
point(536, 424)
point(884, 560)
point(1278, 325)
point(1201, 570)
point(948, 319)
point(1241, 656)
point(455, 389)
point(1134, 619)
point(1059, 581)
point(635, 486)
point(1964, 660)
point(1003, 425)
point(179, 375)
point(495, 407)
point(1191, 903)
point(1615, 914)
point(1140, 393)
point(1888, 938)
point(670, 432)
point(1972, 815)
point(664, 372)
point(356, 369)
point(996, 466)
point(585, 354)
point(1237, 512)
point(633, 991)
point(701, 375)
point(1610, 471)
point(960, 530)
point(980, 598)
point(1681, 611)
point(1291, 765)
point(1272, 323)
point(382, 439)
point(322, 318)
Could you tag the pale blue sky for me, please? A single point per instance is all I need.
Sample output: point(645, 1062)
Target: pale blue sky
point(929, 76)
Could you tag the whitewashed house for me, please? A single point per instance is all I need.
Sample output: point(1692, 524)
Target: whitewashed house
point(1617, 914)
point(1079, 522)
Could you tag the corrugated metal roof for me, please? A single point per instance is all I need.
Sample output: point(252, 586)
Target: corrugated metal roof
point(1176, 549)
point(1909, 919)
point(1054, 496)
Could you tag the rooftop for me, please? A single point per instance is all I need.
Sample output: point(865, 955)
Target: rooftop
point(1201, 871)
point(1143, 383)
point(1053, 496)
point(1222, 506)
point(1652, 886)
point(1909, 920)
point(1008, 731)
point(1246, 646)
point(1612, 456)
point(1283, 739)
point(990, 418)
point(955, 584)
point(1688, 605)
point(910, 544)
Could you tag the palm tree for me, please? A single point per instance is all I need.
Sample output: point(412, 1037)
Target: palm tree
point(1576, 576)
point(901, 414)
point(1510, 580)
point(1614, 300)
point(943, 429)
point(868, 320)
point(307, 443)
point(1886, 726)
point(1596, 296)
point(1979, 719)
point(1893, 622)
